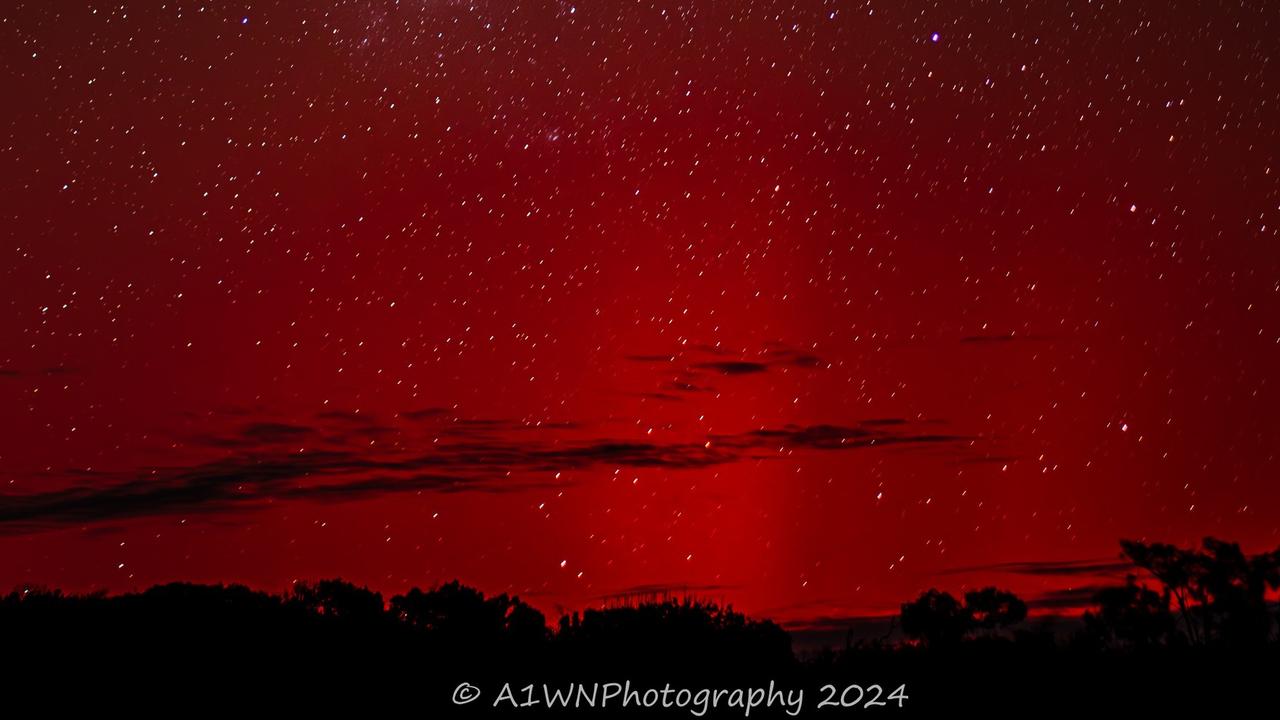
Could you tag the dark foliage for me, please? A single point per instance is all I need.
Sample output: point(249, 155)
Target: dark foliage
point(1130, 615)
point(939, 620)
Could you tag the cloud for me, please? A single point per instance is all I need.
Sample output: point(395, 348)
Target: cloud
point(274, 433)
point(835, 437)
point(341, 464)
point(733, 367)
point(688, 387)
point(677, 391)
point(783, 354)
point(1058, 568)
point(424, 413)
point(671, 397)
point(1073, 598)
point(695, 362)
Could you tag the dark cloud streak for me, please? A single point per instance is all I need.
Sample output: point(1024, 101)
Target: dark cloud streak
point(481, 456)
point(1063, 568)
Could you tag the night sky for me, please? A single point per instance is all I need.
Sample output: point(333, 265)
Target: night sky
point(804, 307)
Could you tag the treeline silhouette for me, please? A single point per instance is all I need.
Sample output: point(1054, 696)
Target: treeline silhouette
point(1200, 621)
point(1215, 595)
point(451, 625)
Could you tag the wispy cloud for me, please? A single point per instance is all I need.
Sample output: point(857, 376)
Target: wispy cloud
point(1067, 599)
point(342, 457)
point(1055, 568)
point(732, 367)
point(690, 366)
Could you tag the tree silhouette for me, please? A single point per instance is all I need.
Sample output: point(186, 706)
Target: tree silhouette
point(1179, 571)
point(456, 615)
point(1236, 587)
point(339, 599)
point(334, 634)
point(936, 618)
point(1220, 592)
point(992, 609)
point(939, 620)
point(1132, 615)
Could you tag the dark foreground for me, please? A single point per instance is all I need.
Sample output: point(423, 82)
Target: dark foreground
point(181, 649)
point(237, 676)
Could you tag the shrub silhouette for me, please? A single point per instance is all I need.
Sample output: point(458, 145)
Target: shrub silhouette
point(685, 633)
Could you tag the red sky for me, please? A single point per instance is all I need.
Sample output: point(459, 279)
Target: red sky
point(797, 306)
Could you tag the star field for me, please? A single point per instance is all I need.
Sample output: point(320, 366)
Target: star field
point(806, 306)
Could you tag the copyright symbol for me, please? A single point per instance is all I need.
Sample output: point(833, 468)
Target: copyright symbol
point(465, 693)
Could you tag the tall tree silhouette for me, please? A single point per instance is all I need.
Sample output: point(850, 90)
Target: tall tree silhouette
point(1220, 592)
